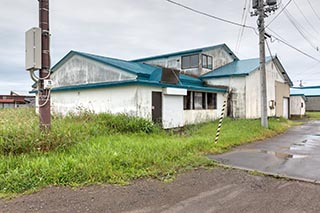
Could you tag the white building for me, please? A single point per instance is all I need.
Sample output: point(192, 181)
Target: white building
point(243, 79)
point(88, 82)
point(297, 105)
point(174, 89)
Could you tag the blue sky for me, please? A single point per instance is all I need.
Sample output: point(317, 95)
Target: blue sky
point(129, 29)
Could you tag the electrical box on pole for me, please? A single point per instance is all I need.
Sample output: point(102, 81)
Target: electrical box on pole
point(33, 49)
point(255, 4)
point(271, 2)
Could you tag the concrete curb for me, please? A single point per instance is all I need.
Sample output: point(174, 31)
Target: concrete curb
point(271, 174)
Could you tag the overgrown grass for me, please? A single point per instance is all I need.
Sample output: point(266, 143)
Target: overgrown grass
point(110, 149)
point(313, 115)
point(20, 133)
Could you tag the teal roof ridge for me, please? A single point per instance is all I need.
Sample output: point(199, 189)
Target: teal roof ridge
point(186, 52)
point(236, 68)
point(132, 67)
point(307, 87)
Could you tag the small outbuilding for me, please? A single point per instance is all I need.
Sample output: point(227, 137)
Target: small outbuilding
point(297, 105)
point(312, 95)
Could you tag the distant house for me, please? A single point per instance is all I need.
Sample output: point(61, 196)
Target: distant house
point(174, 89)
point(297, 105)
point(16, 100)
point(312, 95)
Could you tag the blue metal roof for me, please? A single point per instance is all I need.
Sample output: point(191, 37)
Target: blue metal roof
point(187, 52)
point(131, 67)
point(146, 75)
point(235, 68)
point(137, 82)
point(306, 91)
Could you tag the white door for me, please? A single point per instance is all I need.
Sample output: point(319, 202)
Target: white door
point(285, 111)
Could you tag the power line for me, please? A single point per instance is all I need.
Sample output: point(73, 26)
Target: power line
point(310, 24)
point(279, 13)
point(300, 29)
point(313, 10)
point(243, 21)
point(291, 46)
point(246, 26)
point(211, 16)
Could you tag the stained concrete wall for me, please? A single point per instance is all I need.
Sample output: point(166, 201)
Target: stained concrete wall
point(238, 89)
point(172, 111)
point(245, 99)
point(282, 91)
point(204, 115)
point(219, 56)
point(80, 70)
point(132, 100)
point(110, 100)
point(297, 106)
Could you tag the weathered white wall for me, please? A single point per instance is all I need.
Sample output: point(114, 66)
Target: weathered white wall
point(111, 100)
point(219, 56)
point(172, 111)
point(204, 115)
point(238, 99)
point(297, 106)
point(132, 100)
point(80, 70)
point(246, 91)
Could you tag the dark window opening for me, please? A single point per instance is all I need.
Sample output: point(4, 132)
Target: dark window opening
point(190, 61)
point(186, 101)
point(199, 100)
point(206, 61)
point(212, 100)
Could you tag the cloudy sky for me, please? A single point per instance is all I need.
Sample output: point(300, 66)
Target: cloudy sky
point(129, 29)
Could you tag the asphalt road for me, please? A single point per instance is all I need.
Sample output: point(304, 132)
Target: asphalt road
point(217, 190)
point(295, 154)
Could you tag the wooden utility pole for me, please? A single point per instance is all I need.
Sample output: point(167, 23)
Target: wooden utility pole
point(263, 77)
point(262, 7)
point(44, 73)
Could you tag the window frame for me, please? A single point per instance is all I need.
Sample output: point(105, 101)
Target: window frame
point(205, 57)
point(212, 99)
point(189, 61)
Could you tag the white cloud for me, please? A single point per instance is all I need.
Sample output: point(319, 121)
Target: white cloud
point(131, 29)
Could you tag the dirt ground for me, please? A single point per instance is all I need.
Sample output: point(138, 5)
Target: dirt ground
point(215, 190)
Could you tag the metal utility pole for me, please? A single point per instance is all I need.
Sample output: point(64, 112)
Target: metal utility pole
point(44, 73)
point(260, 11)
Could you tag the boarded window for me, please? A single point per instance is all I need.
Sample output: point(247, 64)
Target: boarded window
point(190, 61)
point(212, 100)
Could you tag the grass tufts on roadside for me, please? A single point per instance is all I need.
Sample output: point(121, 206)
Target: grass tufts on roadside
point(88, 148)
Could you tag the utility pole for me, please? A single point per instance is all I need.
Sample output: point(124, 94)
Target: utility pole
point(44, 73)
point(260, 11)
